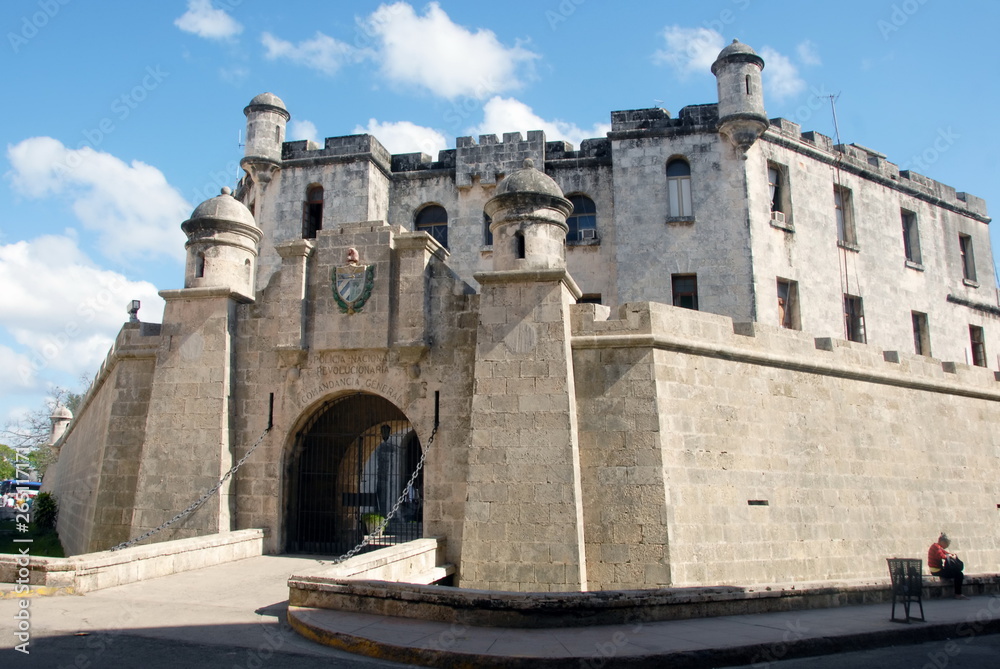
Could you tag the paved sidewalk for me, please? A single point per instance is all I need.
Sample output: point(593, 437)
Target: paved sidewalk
point(243, 605)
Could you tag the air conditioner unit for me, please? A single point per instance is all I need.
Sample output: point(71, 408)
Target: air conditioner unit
point(588, 233)
point(778, 216)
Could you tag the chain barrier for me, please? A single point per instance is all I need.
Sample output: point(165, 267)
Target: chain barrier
point(392, 512)
point(201, 500)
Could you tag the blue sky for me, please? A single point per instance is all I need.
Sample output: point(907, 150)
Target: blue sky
point(123, 116)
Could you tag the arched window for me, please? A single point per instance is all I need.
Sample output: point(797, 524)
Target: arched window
point(487, 233)
point(433, 219)
point(312, 212)
point(583, 221)
point(679, 189)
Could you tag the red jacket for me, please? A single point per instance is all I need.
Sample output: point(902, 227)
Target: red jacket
point(935, 557)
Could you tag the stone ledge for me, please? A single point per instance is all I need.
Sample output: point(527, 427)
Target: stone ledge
point(491, 608)
point(95, 571)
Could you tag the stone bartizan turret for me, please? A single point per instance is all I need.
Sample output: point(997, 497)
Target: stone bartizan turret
point(742, 118)
point(266, 118)
point(222, 246)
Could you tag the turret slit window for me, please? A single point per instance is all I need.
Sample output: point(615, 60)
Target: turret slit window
point(583, 221)
point(684, 288)
point(277, 134)
point(679, 189)
point(312, 212)
point(968, 258)
point(777, 182)
point(520, 251)
point(199, 265)
point(843, 208)
point(748, 84)
point(921, 334)
point(487, 233)
point(433, 219)
point(978, 343)
point(854, 318)
point(911, 239)
point(788, 304)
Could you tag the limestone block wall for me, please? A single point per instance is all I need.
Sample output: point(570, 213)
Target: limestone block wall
point(94, 479)
point(713, 243)
point(523, 522)
point(789, 458)
point(188, 445)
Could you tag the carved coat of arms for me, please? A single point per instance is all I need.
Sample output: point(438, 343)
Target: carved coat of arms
point(353, 283)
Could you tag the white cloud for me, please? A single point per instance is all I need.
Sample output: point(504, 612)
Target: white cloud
point(405, 137)
point(302, 130)
point(781, 77)
point(61, 309)
point(447, 59)
point(204, 21)
point(808, 54)
point(689, 50)
point(131, 207)
point(322, 52)
point(509, 115)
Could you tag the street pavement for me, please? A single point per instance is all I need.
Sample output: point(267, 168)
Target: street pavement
point(233, 615)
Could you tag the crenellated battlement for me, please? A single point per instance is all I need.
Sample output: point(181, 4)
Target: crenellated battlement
point(872, 164)
point(659, 326)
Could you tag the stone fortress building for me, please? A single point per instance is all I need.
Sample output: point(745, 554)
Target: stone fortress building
point(709, 348)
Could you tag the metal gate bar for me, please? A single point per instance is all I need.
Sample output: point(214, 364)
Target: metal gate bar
point(348, 468)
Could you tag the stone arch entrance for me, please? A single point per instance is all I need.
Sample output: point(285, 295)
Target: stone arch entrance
point(348, 465)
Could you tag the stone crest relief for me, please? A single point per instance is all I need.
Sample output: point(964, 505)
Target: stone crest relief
point(353, 283)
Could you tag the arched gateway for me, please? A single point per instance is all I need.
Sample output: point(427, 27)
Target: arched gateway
point(348, 465)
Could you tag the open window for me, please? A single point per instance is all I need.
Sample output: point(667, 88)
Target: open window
point(684, 288)
point(854, 318)
point(911, 238)
point(312, 212)
point(977, 340)
point(487, 233)
point(788, 304)
point(968, 257)
point(844, 210)
point(777, 183)
point(921, 333)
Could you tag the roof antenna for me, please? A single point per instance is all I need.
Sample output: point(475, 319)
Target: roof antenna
point(833, 106)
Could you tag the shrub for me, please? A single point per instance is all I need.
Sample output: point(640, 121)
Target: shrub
point(45, 511)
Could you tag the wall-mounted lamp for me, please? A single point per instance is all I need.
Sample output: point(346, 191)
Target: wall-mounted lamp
point(133, 310)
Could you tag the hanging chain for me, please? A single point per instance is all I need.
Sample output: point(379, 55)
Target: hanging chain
point(201, 500)
point(392, 512)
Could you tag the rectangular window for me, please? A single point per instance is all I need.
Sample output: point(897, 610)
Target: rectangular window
point(978, 341)
point(589, 298)
point(854, 318)
point(968, 258)
point(777, 183)
point(911, 240)
point(843, 208)
point(788, 304)
point(921, 334)
point(685, 290)
point(679, 194)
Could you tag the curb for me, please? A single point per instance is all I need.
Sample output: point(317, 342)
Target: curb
point(907, 634)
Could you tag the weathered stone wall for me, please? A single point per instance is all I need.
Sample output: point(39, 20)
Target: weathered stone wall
point(784, 458)
point(94, 479)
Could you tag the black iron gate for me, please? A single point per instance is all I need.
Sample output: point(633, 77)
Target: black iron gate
point(350, 464)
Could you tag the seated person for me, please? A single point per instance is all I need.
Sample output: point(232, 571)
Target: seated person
point(937, 562)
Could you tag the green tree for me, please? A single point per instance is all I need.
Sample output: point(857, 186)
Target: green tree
point(30, 433)
point(8, 456)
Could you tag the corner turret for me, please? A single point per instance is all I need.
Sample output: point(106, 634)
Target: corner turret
point(529, 221)
point(266, 119)
point(222, 246)
point(742, 118)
